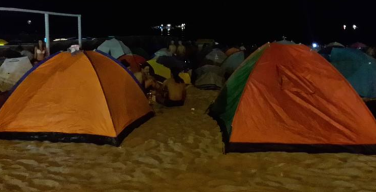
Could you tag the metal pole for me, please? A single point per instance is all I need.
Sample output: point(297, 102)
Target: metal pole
point(37, 11)
point(47, 32)
point(79, 31)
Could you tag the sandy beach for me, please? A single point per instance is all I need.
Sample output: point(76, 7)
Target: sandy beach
point(177, 150)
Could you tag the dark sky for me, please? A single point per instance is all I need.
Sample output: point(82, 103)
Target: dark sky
point(231, 21)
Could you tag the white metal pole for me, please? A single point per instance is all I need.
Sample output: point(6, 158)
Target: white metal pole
point(79, 31)
point(37, 11)
point(47, 32)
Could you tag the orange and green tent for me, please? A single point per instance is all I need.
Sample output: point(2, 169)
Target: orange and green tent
point(85, 97)
point(289, 98)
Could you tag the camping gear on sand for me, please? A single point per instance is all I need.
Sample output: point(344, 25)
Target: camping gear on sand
point(115, 48)
point(134, 61)
point(210, 77)
point(162, 52)
point(217, 56)
point(233, 62)
point(12, 70)
point(358, 68)
point(161, 73)
point(3, 42)
point(289, 98)
point(86, 97)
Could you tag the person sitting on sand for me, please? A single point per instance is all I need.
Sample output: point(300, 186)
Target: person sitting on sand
point(141, 76)
point(173, 91)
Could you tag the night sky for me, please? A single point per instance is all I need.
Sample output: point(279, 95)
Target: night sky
point(303, 21)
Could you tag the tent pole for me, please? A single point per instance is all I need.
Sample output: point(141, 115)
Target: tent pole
point(79, 31)
point(47, 32)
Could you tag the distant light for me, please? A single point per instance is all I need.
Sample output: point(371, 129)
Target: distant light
point(216, 43)
point(182, 26)
point(29, 22)
point(61, 39)
point(355, 27)
point(168, 25)
point(314, 45)
point(369, 63)
point(45, 40)
point(344, 27)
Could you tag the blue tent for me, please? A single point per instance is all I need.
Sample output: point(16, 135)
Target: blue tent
point(233, 62)
point(358, 68)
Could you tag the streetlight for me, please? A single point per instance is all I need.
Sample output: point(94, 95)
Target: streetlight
point(355, 27)
point(168, 29)
point(161, 28)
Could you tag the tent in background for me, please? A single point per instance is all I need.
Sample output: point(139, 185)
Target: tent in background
point(161, 73)
point(358, 68)
point(327, 50)
point(358, 45)
point(171, 62)
point(115, 48)
point(86, 97)
point(286, 42)
point(205, 41)
point(202, 42)
point(11, 72)
point(335, 44)
point(217, 56)
point(3, 42)
point(231, 51)
point(288, 98)
point(233, 62)
point(134, 61)
point(210, 77)
point(141, 52)
point(162, 52)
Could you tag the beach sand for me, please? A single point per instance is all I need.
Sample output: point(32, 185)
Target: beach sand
point(178, 150)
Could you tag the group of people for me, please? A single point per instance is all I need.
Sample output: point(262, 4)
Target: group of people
point(169, 93)
point(179, 51)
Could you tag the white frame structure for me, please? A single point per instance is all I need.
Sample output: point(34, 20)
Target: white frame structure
point(47, 23)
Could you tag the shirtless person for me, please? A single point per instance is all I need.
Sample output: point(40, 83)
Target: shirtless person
point(173, 92)
point(181, 51)
point(172, 48)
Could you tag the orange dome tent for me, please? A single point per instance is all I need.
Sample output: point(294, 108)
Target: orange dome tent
point(288, 98)
point(86, 97)
point(134, 61)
